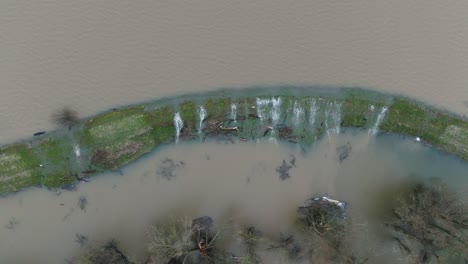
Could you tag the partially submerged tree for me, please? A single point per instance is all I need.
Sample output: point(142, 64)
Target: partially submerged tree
point(325, 229)
point(107, 254)
point(66, 117)
point(183, 241)
point(428, 221)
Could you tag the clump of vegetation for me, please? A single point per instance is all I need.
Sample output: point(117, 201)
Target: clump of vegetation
point(428, 221)
point(66, 117)
point(183, 241)
point(107, 254)
point(325, 228)
point(251, 238)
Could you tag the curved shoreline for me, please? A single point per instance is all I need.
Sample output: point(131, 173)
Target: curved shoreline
point(111, 139)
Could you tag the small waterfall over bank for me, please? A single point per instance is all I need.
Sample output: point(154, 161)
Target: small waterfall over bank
point(201, 116)
point(77, 150)
point(275, 109)
point(178, 124)
point(380, 117)
point(233, 113)
point(313, 112)
point(333, 118)
point(260, 105)
point(298, 114)
point(269, 108)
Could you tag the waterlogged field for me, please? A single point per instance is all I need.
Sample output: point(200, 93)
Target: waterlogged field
point(115, 138)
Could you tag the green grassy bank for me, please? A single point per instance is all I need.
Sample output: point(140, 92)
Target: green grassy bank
point(112, 139)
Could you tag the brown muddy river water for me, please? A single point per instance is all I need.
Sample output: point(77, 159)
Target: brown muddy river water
point(93, 56)
point(225, 181)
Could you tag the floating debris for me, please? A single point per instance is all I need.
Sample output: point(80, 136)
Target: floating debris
point(82, 202)
point(81, 239)
point(283, 170)
point(39, 133)
point(292, 161)
point(12, 223)
point(343, 152)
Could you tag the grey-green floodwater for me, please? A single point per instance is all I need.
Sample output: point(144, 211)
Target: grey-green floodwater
point(225, 180)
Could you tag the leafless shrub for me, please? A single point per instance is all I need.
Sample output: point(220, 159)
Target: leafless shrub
point(432, 217)
point(66, 117)
point(109, 253)
point(183, 241)
point(326, 232)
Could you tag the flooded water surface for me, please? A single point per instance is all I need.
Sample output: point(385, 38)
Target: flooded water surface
point(94, 56)
point(240, 181)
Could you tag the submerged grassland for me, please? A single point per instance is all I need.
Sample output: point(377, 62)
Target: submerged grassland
point(112, 139)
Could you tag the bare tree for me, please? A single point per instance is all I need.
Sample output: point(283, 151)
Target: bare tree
point(66, 117)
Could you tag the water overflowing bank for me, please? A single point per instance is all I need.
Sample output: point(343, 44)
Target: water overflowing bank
point(112, 139)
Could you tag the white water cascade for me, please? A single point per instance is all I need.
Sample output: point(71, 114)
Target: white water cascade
point(201, 116)
point(178, 123)
point(233, 113)
point(77, 150)
point(275, 110)
point(260, 105)
point(333, 118)
point(313, 112)
point(375, 128)
point(298, 114)
point(274, 104)
point(269, 108)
